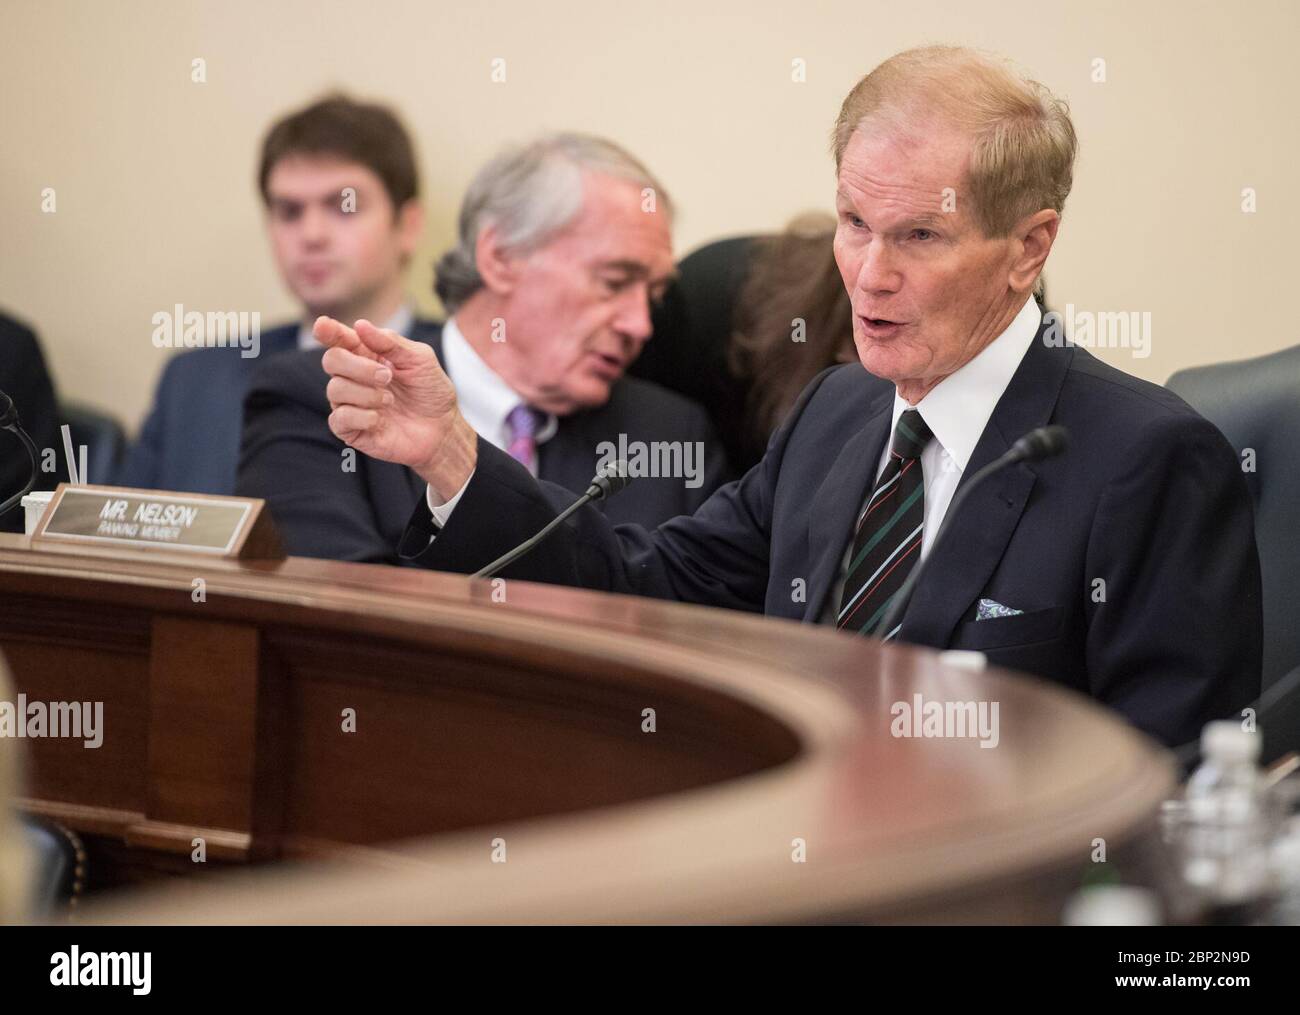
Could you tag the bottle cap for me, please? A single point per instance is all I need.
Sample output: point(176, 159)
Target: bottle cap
point(964, 659)
point(1225, 740)
point(1112, 906)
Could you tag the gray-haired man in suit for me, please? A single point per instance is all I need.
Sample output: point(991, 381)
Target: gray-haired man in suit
point(564, 243)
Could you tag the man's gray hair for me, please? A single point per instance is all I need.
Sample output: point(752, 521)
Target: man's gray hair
point(530, 194)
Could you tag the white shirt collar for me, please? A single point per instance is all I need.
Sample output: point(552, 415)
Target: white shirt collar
point(400, 322)
point(958, 408)
point(484, 397)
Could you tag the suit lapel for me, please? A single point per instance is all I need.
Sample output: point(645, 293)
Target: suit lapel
point(977, 537)
point(972, 546)
point(836, 502)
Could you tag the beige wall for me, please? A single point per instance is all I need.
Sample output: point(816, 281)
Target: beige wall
point(153, 174)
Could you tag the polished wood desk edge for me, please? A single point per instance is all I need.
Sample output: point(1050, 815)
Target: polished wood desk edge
point(757, 660)
point(365, 605)
point(708, 855)
point(395, 598)
point(731, 653)
point(135, 829)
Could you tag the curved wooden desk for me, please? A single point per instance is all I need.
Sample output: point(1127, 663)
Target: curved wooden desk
point(481, 723)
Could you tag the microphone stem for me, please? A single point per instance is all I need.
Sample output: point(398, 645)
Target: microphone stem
point(509, 558)
point(21, 434)
point(904, 595)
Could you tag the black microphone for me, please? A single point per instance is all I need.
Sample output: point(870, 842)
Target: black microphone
point(611, 478)
point(9, 421)
point(1044, 442)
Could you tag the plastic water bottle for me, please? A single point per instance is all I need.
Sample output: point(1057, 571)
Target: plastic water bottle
point(1228, 830)
point(1286, 873)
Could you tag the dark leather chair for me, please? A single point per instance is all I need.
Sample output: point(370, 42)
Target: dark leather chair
point(1256, 403)
point(103, 436)
point(58, 868)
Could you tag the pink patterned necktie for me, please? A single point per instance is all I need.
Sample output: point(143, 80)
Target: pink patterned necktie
point(522, 424)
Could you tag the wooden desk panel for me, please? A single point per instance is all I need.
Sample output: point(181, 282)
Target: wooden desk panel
point(477, 719)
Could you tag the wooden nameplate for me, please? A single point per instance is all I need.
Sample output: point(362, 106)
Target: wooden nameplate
point(127, 521)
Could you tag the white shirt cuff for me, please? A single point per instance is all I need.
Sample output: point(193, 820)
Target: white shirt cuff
point(442, 512)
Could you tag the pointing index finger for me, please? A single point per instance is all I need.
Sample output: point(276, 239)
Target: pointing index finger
point(388, 346)
point(331, 333)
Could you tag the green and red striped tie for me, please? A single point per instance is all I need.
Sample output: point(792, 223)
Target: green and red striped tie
point(887, 543)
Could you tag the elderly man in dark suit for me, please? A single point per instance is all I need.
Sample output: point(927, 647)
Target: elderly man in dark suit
point(564, 243)
point(1125, 568)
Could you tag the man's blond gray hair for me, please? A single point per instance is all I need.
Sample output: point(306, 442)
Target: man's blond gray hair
point(530, 194)
point(1023, 144)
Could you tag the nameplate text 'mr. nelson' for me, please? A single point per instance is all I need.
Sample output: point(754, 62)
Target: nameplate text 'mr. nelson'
point(107, 516)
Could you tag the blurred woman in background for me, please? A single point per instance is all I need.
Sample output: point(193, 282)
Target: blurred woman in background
point(791, 321)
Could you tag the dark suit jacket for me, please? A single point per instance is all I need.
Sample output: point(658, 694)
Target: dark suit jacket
point(291, 458)
point(1149, 498)
point(24, 378)
point(190, 440)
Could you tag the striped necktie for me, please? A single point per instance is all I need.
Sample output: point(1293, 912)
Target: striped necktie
point(887, 543)
point(522, 424)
